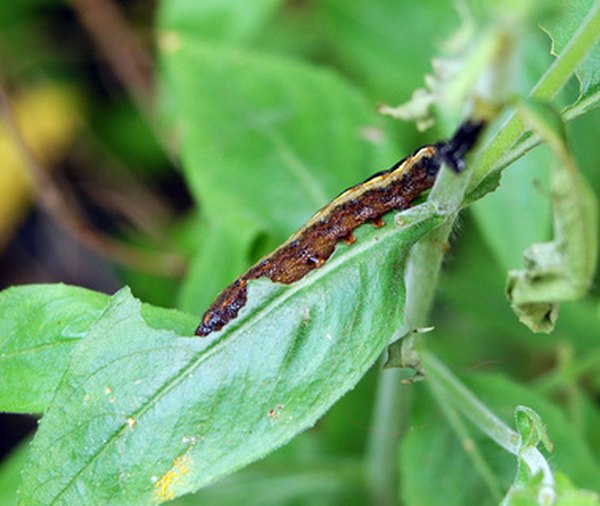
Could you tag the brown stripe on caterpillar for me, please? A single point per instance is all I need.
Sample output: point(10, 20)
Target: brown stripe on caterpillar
point(309, 248)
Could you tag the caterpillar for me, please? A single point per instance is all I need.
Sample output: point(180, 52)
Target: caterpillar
point(310, 247)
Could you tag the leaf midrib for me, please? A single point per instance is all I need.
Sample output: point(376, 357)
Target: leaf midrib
point(422, 212)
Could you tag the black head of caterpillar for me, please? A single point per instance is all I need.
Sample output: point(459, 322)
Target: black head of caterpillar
point(453, 152)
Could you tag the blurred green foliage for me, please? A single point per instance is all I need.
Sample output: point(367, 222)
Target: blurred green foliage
point(257, 170)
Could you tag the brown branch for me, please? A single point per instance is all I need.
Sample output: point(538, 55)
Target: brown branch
point(63, 209)
point(128, 59)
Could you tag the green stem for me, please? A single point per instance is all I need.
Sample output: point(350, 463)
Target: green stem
point(423, 270)
point(424, 267)
point(531, 140)
point(547, 87)
point(390, 402)
point(454, 392)
point(469, 405)
point(426, 256)
point(571, 56)
point(468, 442)
point(389, 418)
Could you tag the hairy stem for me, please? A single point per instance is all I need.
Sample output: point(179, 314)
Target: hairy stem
point(390, 402)
point(426, 259)
point(463, 400)
point(460, 428)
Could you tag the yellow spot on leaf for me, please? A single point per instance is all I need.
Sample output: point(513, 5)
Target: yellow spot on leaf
point(163, 488)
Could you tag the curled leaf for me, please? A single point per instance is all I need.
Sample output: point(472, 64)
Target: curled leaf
point(403, 355)
point(561, 270)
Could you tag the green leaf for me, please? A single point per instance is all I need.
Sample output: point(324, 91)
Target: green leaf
point(142, 415)
point(262, 135)
point(375, 43)
point(563, 269)
point(533, 470)
point(40, 325)
point(501, 215)
point(10, 474)
point(402, 354)
point(562, 28)
point(531, 428)
point(266, 142)
point(231, 21)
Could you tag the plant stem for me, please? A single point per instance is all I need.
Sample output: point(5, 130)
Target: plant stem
point(571, 56)
point(423, 271)
point(392, 402)
point(121, 49)
point(131, 63)
point(547, 87)
point(426, 256)
point(470, 407)
point(468, 443)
